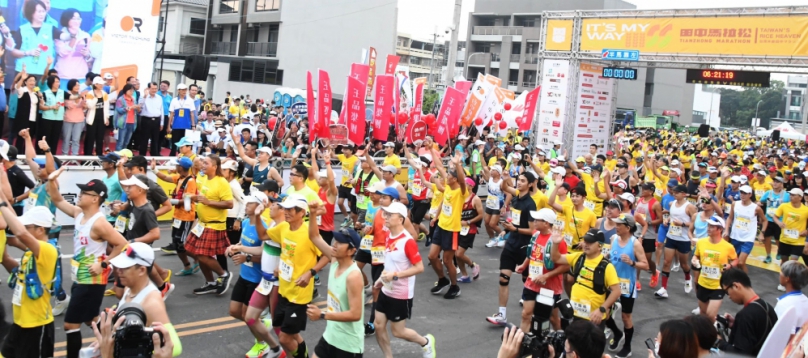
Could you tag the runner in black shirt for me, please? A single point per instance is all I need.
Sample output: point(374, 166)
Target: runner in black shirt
point(17, 179)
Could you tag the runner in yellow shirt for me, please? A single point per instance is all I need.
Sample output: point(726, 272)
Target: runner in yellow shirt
point(792, 218)
point(713, 255)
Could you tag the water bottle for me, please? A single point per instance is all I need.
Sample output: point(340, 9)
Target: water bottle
point(187, 202)
point(89, 352)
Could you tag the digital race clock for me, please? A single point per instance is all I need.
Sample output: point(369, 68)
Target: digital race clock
point(728, 77)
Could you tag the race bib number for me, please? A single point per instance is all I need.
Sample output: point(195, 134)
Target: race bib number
point(582, 308)
point(536, 269)
point(265, 287)
point(658, 192)
point(286, 271)
point(742, 224)
point(74, 270)
point(771, 212)
point(558, 226)
point(792, 233)
point(360, 198)
point(605, 250)
point(377, 255)
point(447, 210)
point(666, 218)
point(433, 212)
point(625, 286)
point(464, 230)
point(366, 243)
point(346, 174)
point(727, 207)
point(333, 303)
point(675, 230)
point(177, 223)
point(417, 188)
point(589, 205)
point(516, 217)
point(759, 193)
point(182, 113)
point(492, 202)
point(711, 272)
point(16, 299)
point(32, 198)
point(198, 229)
point(568, 239)
point(120, 224)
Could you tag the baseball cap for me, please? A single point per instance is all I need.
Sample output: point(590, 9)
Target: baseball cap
point(627, 197)
point(597, 168)
point(185, 163)
point(680, 189)
point(136, 182)
point(716, 221)
point(517, 147)
point(391, 192)
point(625, 219)
point(38, 215)
point(470, 182)
point(377, 188)
point(710, 184)
point(137, 161)
point(746, 189)
point(673, 182)
point(4, 149)
point(735, 179)
point(269, 185)
point(295, 201)
point(772, 169)
point(389, 168)
point(110, 157)
point(463, 137)
point(621, 183)
point(390, 144)
point(580, 160)
point(230, 164)
point(182, 86)
point(125, 153)
point(97, 80)
point(396, 208)
point(136, 253)
point(557, 142)
point(96, 186)
point(108, 76)
point(479, 142)
point(545, 214)
point(497, 168)
point(712, 170)
point(648, 186)
point(609, 152)
point(256, 197)
point(594, 235)
point(760, 172)
point(347, 236)
point(796, 191)
point(559, 170)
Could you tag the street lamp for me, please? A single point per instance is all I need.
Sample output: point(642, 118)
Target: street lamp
point(756, 113)
point(468, 59)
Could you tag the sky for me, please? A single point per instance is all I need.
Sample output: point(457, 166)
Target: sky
point(420, 18)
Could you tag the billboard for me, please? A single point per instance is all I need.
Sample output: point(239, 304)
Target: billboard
point(559, 35)
point(741, 35)
point(553, 101)
point(593, 110)
point(78, 36)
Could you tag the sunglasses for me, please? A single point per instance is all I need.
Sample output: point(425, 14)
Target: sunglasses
point(295, 175)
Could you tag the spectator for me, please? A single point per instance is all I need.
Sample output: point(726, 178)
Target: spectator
point(754, 321)
point(677, 339)
point(705, 333)
point(794, 277)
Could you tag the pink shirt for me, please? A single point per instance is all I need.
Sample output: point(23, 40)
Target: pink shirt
point(74, 111)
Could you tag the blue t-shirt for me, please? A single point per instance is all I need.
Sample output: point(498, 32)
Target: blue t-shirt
point(250, 271)
point(667, 200)
point(773, 201)
point(115, 192)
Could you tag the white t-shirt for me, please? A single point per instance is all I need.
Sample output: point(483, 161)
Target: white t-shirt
point(800, 303)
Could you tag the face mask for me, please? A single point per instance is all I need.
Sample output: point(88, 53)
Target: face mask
point(656, 347)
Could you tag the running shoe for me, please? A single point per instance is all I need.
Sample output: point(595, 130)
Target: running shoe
point(223, 283)
point(168, 277)
point(492, 242)
point(370, 329)
point(429, 348)
point(475, 272)
point(654, 279)
point(639, 286)
point(206, 289)
point(169, 249)
point(497, 319)
point(624, 353)
point(617, 339)
point(781, 288)
point(768, 260)
point(688, 285)
point(61, 306)
point(454, 292)
point(258, 350)
point(521, 302)
point(167, 290)
point(676, 266)
point(279, 354)
point(440, 285)
point(661, 293)
point(317, 280)
point(109, 292)
point(696, 311)
point(421, 237)
point(457, 270)
point(346, 222)
point(196, 267)
point(617, 307)
point(464, 279)
point(501, 241)
point(186, 272)
point(368, 289)
point(315, 294)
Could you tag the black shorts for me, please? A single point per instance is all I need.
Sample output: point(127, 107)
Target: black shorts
point(396, 310)
point(376, 272)
point(327, 235)
point(85, 303)
point(530, 295)
point(492, 211)
point(419, 210)
point(508, 260)
point(649, 245)
point(323, 349)
point(772, 230)
point(290, 317)
point(363, 257)
point(680, 246)
point(233, 235)
point(706, 294)
point(466, 241)
point(178, 234)
point(627, 304)
point(33, 342)
point(347, 193)
point(447, 240)
point(786, 250)
point(242, 291)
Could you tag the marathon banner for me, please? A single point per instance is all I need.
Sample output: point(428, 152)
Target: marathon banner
point(371, 70)
point(385, 85)
point(323, 111)
point(531, 100)
point(474, 101)
point(463, 86)
point(415, 117)
point(391, 64)
point(449, 113)
point(354, 105)
point(360, 72)
point(552, 101)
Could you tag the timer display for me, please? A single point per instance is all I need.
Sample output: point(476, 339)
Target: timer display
point(625, 73)
point(728, 77)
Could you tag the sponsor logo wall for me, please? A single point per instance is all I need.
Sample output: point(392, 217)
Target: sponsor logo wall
point(592, 111)
point(552, 102)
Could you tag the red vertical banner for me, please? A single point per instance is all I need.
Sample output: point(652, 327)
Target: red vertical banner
point(323, 112)
point(372, 70)
point(450, 111)
point(415, 114)
point(383, 101)
point(390, 66)
point(531, 100)
point(359, 71)
point(463, 86)
point(354, 105)
point(311, 108)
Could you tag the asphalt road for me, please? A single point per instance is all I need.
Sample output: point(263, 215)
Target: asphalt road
point(459, 325)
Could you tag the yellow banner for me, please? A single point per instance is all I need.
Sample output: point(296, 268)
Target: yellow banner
point(559, 35)
point(746, 35)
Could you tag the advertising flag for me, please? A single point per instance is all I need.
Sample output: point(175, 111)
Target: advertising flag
point(323, 112)
point(415, 121)
point(354, 105)
point(390, 66)
point(449, 113)
point(372, 70)
point(311, 108)
point(463, 86)
point(531, 100)
point(475, 99)
point(385, 85)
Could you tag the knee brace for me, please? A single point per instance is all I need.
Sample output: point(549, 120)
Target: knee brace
point(250, 322)
point(505, 279)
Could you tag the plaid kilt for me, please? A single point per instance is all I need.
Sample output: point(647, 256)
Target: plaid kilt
point(211, 243)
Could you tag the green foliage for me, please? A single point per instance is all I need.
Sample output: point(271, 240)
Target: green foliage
point(738, 106)
point(430, 99)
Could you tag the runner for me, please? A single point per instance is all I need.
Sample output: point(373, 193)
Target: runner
point(388, 175)
point(743, 219)
point(418, 176)
point(183, 220)
point(678, 239)
point(650, 210)
point(792, 218)
point(348, 163)
point(494, 202)
point(470, 216)
point(711, 257)
point(262, 170)
point(770, 201)
point(579, 220)
point(445, 235)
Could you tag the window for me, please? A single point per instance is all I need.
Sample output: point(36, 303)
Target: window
point(486, 22)
point(160, 23)
point(229, 6)
point(796, 98)
point(267, 5)
point(197, 26)
point(274, 30)
point(253, 71)
point(233, 33)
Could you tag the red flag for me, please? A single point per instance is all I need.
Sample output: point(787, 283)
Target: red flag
point(450, 111)
point(415, 115)
point(463, 86)
point(385, 85)
point(354, 105)
point(323, 112)
point(360, 72)
point(390, 66)
point(530, 109)
point(311, 108)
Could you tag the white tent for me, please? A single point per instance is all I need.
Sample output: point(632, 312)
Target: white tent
point(786, 131)
point(785, 127)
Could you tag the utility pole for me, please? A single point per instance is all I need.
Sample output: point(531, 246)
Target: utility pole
point(432, 62)
point(804, 111)
point(452, 58)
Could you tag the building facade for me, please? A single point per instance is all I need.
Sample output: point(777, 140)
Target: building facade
point(795, 94)
point(706, 103)
point(422, 57)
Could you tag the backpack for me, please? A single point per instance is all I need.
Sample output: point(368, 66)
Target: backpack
point(599, 275)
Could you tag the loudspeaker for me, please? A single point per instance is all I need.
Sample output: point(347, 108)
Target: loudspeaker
point(704, 130)
point(775, 135)
point(196, 67)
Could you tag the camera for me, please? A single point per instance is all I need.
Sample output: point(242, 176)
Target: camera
point(541, 336)
point(132, 339)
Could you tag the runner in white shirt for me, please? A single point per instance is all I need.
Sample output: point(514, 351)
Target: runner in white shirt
point(742, 224)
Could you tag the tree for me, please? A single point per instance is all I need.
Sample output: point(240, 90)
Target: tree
point(430, 99)
point(737, 107)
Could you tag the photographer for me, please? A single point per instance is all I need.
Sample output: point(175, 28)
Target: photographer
point(754, 321)
point(584, 340)
point(105, 340)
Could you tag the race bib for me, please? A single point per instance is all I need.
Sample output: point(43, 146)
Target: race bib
point(771, 212)
point(433, 212)
point(74, 270)
point(360, 198)
point(658, 192)
point(625, 286)
point(582, 308)
point(377, 255)
point(265, 287)
point(759, 193)
point(286, 271)
point(32, 198)
point(589, 205)
point(177, 223)
point(605, 250)
point(120, 224)
point(492, 202)
point(675, 230)
point(333, 303)
point(568, 239)
point(417, 188)
point(464, 230)
point(182, 113)
point(742, 224)
point(711, 272)
point(516, 217)
point(366, 243)
point(536, 269)
point(447, 209)
point(666, 218)
point(198, 229)
point(727, 207)
point(558, 226)
point(16, 299)
point(346, 174)
point(792, 233)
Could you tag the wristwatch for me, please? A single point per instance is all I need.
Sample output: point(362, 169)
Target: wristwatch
point(395, 276)
point(104, 265)
point(248, 258)
point(322, 315)
point(602, 309)
point(313, 272)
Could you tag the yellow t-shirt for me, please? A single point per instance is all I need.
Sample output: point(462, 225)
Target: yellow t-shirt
point(234, 111)
point(437, 199)
point(451, 209)
point(312, 183)
point(34, 313)
point(216, 189)
point(393, 160)
point(348, 165)
point(795, 220)
point(610, 164)
point(760, 188)
point(592, 201)
point(298, 256)
point(713, 257)
point(582, 295)
point(579, 222)
point(660, 186)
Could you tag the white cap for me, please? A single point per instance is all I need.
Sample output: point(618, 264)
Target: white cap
point(136, 253)
point(182, 86)
point(98, 80)
point(133, 180)
point(220, 129)
point(267, 150)
point(108, 76)
point(796, 191)
point(760, 172)
point(746, 189)
point(518, 147)
point(675, 162)
point(390, 168)
point(716, 220)
point(557, 142)
point(479, 142)
point(396, 208)
point(463, 137)
point(712, 170)
point(256, 197)
point(4, 149)
point(390, 144)
point(230, 164)
point(559, 170)
point(377, 187)
point(497, 168)
point(295, 201)
point(735, 178)
point(545, 214)
point(677, 170)
point(627, 197)
point(515, 155)
point(492, 136)
point(744, 179)
point(38, 215)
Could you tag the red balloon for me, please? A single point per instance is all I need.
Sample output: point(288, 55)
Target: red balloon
point(490, 122)
point(429, 119)
point(393, 117)
point(503, 125)
point(507, 106)
point(402, 118)
point(497, 116)
point(518, 119)
point(478, 121)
